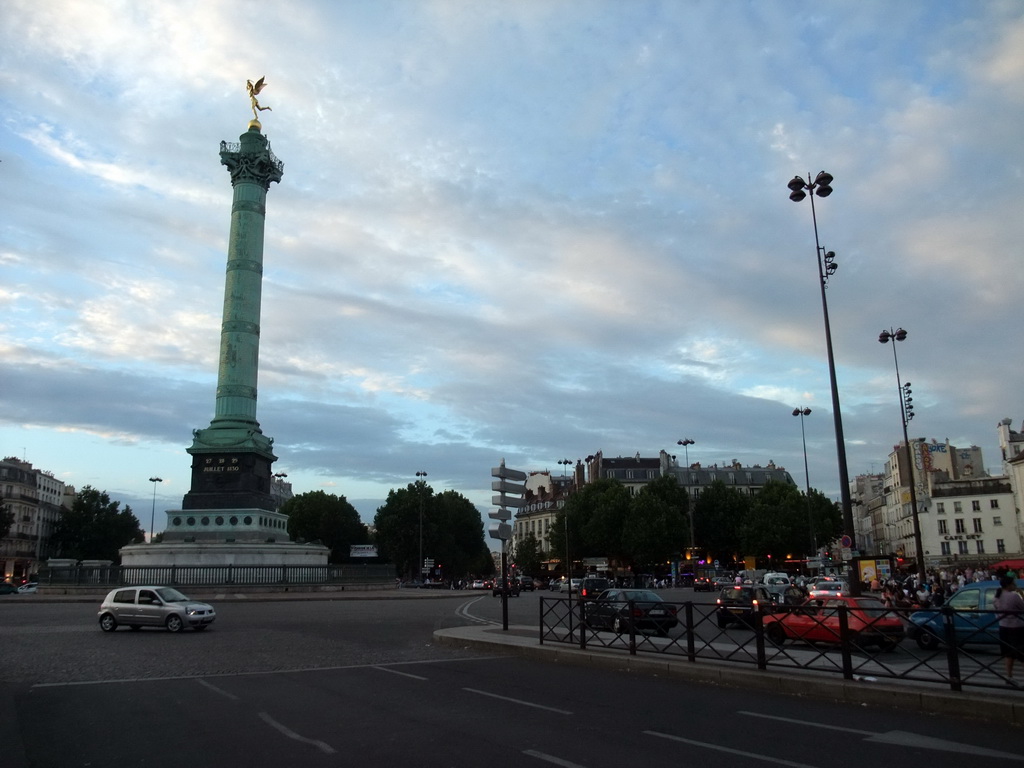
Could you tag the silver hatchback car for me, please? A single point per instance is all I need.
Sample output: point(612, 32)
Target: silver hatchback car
point(139, 607)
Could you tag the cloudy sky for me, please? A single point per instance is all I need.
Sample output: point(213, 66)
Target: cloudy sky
point(525, 230)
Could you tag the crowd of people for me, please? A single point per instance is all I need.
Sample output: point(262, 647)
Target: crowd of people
point(932, 592)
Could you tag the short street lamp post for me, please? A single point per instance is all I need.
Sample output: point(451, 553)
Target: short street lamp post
point(822, 187)
point(152, 515)
point(421, 490)
point(906, 414)
point(801, 412)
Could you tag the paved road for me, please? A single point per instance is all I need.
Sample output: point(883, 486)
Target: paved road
point(357, 682)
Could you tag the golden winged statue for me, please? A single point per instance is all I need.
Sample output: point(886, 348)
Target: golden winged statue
point(253, 91)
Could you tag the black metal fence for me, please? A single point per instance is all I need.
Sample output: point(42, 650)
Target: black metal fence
point(940, 646)
point(216, 575)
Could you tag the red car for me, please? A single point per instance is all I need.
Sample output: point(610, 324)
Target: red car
point(817, 621)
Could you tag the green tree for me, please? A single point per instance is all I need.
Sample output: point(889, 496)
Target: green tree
point(594, 518)
point(776, 524)
point(655, 530)
point(95, 529)
point(330, 519)
point(454, 536)
point(397, 525)
point(718, 514)
point(452, 531)
point(527, 555)
point(826, 517)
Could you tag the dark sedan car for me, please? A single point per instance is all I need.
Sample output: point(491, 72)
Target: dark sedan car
point(702, 584)
point(640, 609)
point(738, 604)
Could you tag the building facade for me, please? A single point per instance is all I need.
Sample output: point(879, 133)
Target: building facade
point(547, 493)
point(36, 500)
point(966, 517)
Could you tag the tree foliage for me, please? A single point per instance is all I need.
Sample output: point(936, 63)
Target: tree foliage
point(452, 532)
point(717, 515)
point(329, 519)
point(95, 529)
point(527, 555)
point(605, 521)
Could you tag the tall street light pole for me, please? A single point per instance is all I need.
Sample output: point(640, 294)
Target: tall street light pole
point(801, 412)
point(822, 187)
point(906, 414)
point(152, 516)
point(422, 483)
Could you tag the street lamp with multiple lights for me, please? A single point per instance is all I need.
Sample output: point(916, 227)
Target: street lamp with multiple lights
point(801, 412)
point(564, 464)
point(152, 516)
point(424, 482)
point(686, 443)
point(906, 414)
point(821, 186)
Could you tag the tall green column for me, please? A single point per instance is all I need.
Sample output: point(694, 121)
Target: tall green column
point(232, 458)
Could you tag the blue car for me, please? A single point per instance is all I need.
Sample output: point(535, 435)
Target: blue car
point(973, 616)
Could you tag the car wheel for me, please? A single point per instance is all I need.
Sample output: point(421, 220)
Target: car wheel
point(927, 641)
point(174, 623)
point(775, 634)
point(108, 623)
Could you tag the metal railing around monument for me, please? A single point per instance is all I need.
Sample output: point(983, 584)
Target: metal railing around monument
point(353, 574)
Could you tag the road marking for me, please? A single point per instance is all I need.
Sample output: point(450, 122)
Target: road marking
point(215, 689)
point(551, 759)
point(518, 701)
point(463, 611)
point(729, 750)
point(396, 672)
point(327, 749)
point(900, 738)
point(297, 670)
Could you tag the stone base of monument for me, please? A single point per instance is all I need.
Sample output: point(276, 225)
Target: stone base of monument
point(219, 537)
point(238, 554)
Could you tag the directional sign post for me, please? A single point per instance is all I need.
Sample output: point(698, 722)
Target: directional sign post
point(509, 494)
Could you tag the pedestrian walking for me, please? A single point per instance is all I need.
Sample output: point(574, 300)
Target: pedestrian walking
point(1009, 607)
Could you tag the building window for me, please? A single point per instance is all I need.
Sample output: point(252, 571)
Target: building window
point(1000, 546)
point(993, 503)
point(942, 527)
point(962, 547)
point(997, 520)
point(960, 527)
point(940, 508)
point(945, 548)
point(977, 525)
point(976, 505)
point(981, 547)
point(958, 507)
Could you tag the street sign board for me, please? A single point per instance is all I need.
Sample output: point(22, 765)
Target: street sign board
point(501, 500)
point(501, 531)
point(504, 486)
point(508, 474)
